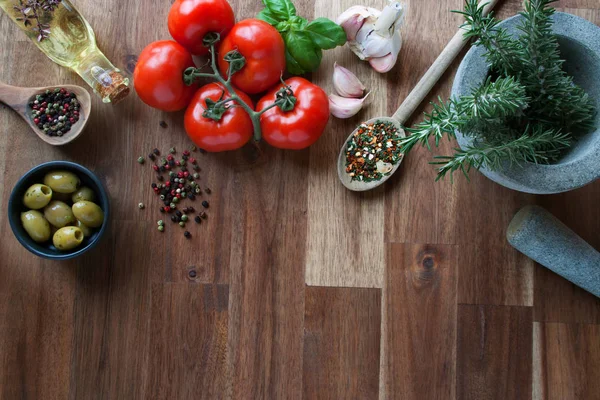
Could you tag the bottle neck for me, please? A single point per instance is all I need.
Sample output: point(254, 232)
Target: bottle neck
point(106, 80)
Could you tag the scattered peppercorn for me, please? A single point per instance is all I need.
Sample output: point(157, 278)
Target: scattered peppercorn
point(207, 190)
point(193, 148)
point(198, 219)
point(184, 218)
point(205, 204)
point(161, 228)
point(141, 206)
point(163, 124)
point(172, 150)
point(182, 224)
point(156, 152)
point(160, 222)
point(140, 160)
point(187, 234)
point(151, 156)
point(203, 215)
point(174, 218)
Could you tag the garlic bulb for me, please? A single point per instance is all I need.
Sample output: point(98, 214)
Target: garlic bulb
point(345, 107)
point(345, 83)
point(374, 35)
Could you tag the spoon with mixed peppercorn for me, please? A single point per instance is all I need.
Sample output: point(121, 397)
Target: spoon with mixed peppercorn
point(56, 114)
point(372, 153)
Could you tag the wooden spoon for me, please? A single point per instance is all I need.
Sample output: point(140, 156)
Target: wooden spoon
point(18, 99)
point(409, 104)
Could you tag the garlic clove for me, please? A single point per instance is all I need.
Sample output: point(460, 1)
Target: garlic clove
point(377, 46)
point(346, 84)
point(385, 63)
point(342, 107)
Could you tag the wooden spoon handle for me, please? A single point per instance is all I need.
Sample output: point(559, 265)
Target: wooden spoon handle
point(14, 97)
point(433, 74)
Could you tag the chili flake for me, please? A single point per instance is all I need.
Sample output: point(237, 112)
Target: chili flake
point(372, 151)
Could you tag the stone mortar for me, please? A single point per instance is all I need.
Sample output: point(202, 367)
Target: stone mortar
point(579, 42)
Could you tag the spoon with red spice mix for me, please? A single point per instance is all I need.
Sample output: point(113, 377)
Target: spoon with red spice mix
point(371, 153)
point(57, 114)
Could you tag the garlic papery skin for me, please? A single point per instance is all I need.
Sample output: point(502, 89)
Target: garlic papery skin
point(345, 83)
point(353, 18)
point(374, 34)
point(344, 107)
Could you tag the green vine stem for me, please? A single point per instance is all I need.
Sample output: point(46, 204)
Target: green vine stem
point(215, 110)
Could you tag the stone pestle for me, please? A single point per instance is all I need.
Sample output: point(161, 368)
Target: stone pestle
point(542, 237)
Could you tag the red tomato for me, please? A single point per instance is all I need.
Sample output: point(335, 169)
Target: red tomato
point(191, 20)
point(263, 48)
point(300, 127)
point(231, 132)
point(158, 76)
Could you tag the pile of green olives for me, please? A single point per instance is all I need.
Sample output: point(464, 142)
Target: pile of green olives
point(62, 209)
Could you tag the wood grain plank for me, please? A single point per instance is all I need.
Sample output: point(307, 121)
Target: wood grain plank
point(113, 318)
point(347, 369)
point(335, 215)
point(487, 258)
point(420, 313)
point(566, 361)
point(494, 352)
point(187, 358)
point(418, 210)
point(36, 296)
point(268, 243)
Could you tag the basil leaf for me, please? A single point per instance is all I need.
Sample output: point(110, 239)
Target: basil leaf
point(282, 10)
point(325, 33)
point(304, 56)
point(267, 16)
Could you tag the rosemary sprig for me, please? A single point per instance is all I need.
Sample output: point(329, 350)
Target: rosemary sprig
point(535, 145)
point(494, 100)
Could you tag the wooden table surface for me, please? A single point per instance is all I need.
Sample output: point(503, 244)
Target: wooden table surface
point(293, 287)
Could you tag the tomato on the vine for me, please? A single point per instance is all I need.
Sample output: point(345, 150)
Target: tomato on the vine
point(230, 128)
point(158, 76)
point(190, 20)
point(264, 51)
point(300, 127)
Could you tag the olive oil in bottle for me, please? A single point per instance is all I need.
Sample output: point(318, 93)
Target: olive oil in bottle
point(61, 32)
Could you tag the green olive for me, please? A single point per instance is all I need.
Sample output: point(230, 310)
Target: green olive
point(36, 225)
point(67, 238)
point(37, 196)
point(89, 213)
point(84, 193)
point(62, 181)
point(59, 214)
point(87, 231)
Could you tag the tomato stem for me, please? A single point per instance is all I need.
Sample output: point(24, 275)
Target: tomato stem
point(285, 97)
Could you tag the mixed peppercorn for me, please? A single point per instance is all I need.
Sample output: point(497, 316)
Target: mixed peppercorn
point(55, 111)
point(372, 151)
point(179, 184)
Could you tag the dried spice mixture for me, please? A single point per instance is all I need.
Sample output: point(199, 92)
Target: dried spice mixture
point(372, 151)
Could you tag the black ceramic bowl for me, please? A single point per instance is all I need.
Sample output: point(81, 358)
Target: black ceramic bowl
point(36, 175)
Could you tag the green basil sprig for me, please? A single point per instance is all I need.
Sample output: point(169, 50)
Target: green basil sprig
point(304, 41)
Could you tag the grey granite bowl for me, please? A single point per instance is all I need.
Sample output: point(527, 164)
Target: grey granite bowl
point(579, 42)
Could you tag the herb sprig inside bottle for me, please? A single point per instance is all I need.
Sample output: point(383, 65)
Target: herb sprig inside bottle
point(33, 10)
